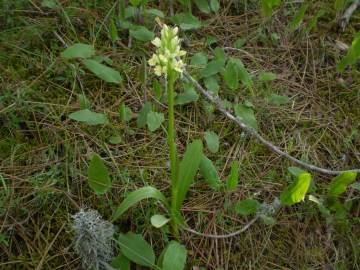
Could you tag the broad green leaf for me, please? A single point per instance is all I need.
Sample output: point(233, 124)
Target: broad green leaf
point(352, 55)
point(89, 117)
point(209, 172)
point(210, 40)
point(220, 55)
point(155, 12)
point(277, 100)
point(105, 73)
point(98, 175)
point(231, 76)
point(142, 33)
point(340, 183)
point(296, 191)
point(136, 249)
point(186, 21)
point(158, 221)
point(199, 59)
point(84, 102)
point(298, 18)
point(245, 77)
point(214, 5)
point(212, 84)
point(125, 112)
point(154, 120)
point(212, 141)
point(188, 168)
point(247, 207)
point(174, 257)
point(78, 50)
point(246, 115)
point(267, 76)
point(121, 263)
point(202, 5)
point(233, 178)
point(212, 68)
point(137, 196)
point(189, 95)
point(142, 116)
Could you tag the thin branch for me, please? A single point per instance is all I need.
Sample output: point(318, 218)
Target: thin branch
point(222, 236)
point(217, 102)
point(345, 18)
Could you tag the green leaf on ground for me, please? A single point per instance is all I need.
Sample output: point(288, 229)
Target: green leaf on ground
point(105, 73)
point(98, 175)
point(89, 117)
point(78, 50)
point(136, 249)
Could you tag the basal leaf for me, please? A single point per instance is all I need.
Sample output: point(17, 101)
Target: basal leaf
point(189, 95)
point(174, 257)
point(137, 196)
point(352, 55)
point(212, 68)
point(199, 59)
point(186, 21)
point(142, 33)
point(154, 120)
point(209, 172)
point(142, 116)
point(212, 141)
point(296, 191)
point(105, 73)
point(188, 168)
point(233, 178)
point(247, 207)
point(98, 175)
point(214, 5)
point(340, 183)
point(202, 5)
point(136, 249)
point(89, 117)
point(78, 50)
point(246, 115)
point(158, 221)
point(231, 76)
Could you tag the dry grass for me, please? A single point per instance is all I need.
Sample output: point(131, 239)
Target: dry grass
point(44, 155)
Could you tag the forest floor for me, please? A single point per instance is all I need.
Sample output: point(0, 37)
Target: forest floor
point(44, 155)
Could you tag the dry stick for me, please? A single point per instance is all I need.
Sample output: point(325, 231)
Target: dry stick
point(344, 20)
point(217, 102)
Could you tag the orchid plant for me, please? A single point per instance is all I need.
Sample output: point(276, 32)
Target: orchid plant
point(166, 62)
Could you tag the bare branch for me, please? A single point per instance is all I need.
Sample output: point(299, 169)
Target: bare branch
point(218, 104)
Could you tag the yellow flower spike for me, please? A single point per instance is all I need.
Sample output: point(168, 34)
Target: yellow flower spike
point(168, 52)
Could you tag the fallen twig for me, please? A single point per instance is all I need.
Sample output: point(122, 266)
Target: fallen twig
point(345, 18)
point(217, 102)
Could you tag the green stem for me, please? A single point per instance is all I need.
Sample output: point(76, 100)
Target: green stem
point(172, 149)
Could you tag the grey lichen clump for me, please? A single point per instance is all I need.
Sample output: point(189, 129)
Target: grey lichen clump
point(93, 239)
